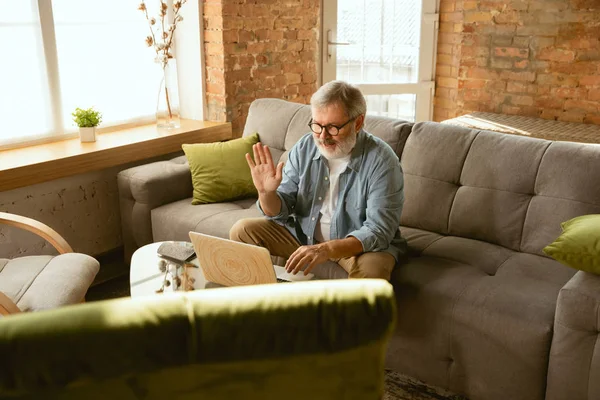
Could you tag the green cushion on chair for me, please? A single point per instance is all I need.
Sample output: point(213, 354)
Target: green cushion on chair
point(220, 171)
point(579, 244)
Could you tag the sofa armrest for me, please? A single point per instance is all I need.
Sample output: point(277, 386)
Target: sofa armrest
point(144, 188)
point(574, 370)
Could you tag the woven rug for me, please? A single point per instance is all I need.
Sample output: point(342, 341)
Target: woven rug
point(401, 387)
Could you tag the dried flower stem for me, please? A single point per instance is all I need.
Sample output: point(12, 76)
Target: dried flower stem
point(148, 18)
point(168, 102)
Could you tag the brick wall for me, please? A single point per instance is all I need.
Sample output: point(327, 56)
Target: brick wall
point(257, 49)
point(524, 57)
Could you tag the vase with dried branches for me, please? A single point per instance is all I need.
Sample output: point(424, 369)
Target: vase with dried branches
point(162, 32)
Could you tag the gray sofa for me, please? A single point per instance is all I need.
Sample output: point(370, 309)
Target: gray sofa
point(481, 310)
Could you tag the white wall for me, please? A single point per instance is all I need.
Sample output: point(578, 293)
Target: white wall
point(83, 208)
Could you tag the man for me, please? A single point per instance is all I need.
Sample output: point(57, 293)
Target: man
point(338, 198)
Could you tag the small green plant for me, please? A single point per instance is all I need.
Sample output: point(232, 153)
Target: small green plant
point(87, 118)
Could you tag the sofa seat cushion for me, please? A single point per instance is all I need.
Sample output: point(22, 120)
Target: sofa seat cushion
point(418, 239)
point(36, 283)
point(471, 312)
point(175, 220)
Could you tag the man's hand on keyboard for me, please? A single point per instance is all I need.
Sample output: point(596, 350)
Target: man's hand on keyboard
point(306, 256)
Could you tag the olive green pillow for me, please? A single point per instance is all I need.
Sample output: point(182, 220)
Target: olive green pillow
point(579, 244)
point(220, 171)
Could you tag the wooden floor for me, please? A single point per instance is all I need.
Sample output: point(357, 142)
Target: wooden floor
point(110, 289)
point(112, 280)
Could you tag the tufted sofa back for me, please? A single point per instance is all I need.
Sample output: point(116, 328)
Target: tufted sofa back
point(504, 189)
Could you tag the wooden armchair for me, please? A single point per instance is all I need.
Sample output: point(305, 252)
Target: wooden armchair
point(39, 282)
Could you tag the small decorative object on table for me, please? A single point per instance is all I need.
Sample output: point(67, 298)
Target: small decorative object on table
point(176, 252)
point(174, 264)
point(162, 31)
point(87, 120)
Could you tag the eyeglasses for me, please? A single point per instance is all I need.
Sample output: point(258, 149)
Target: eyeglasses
point(332, 130)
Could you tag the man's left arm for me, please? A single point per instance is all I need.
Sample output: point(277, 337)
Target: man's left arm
point(315, 254)
point(384, 208)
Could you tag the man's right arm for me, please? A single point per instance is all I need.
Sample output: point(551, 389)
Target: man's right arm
point(279, 204)
point(270, 203)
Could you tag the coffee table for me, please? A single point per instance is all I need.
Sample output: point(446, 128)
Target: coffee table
point(145, 278)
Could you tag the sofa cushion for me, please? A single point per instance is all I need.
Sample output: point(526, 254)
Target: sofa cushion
point(427, 289)
point(544, 216)
point(298, 127)
point(566, 187)
point(579, 244)
point(174, 221)
point(393, 131)
point(418, 239)
point(220, 171)
point(479, 188)
point(277, 155)
point(431, 177)
point(501, 333)
point(271, 118)
point(498, 179)
point(485, 256)
point(490, 215)
point(427, 202)
point(534, 267)
point(455, 316)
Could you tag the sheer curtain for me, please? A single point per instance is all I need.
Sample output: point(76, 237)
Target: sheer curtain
point(63, 54)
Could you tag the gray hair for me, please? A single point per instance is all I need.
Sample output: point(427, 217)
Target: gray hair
point(349, 96)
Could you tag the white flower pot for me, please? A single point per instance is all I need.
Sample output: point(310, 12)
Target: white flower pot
point(87, 134)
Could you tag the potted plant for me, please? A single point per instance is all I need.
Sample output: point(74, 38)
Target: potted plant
point(87, 120)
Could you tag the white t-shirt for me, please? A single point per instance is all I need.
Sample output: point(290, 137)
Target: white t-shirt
point(336, 167)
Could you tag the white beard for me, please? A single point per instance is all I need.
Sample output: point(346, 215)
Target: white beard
point(342, 149)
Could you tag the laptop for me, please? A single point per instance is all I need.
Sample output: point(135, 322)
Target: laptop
point(231, 263)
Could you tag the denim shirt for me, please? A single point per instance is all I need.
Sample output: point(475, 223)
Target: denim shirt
point(370, 198)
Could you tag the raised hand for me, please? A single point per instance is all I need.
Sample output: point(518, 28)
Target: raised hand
point(265, 175)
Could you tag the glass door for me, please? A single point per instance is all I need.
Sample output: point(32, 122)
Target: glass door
point(385, 47)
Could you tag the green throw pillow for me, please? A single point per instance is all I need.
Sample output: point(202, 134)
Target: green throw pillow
point(220, 171)
point(579, 244)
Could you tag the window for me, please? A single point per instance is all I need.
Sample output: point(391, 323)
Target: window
point(63, 54)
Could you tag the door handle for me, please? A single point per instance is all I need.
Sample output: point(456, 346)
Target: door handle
point(330, 43)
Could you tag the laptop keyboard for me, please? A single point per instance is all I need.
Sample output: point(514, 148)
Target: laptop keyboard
point(279, 280)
